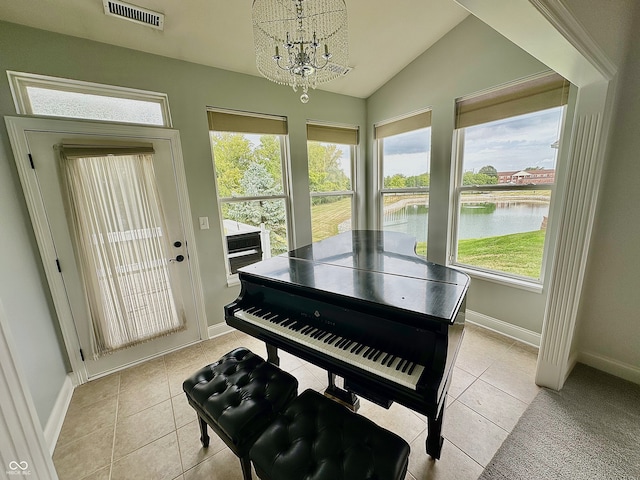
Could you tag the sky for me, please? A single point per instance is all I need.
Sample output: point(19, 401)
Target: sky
point(511, 144)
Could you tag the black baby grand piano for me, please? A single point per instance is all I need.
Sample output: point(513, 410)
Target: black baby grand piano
point(363, 306)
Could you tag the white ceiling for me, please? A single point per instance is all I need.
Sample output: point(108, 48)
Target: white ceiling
point(384, 35)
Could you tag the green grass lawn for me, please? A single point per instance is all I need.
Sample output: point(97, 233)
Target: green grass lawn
point(518, 253)
point(326, 217)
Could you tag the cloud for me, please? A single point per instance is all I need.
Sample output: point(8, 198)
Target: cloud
point(513, 144)
point(418, 141)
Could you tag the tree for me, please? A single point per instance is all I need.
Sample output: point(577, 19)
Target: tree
point(395, 181)
point(421, 180)
point(257, 181)
point(401, 181)
point(268, 154)
point(489, 170)
point(470, 178)
point(232, 154)
point(325, 173)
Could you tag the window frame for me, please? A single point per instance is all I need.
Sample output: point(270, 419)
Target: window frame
point(285, 162)
point(19, 81)
point(381, 190)
point(457, 188)
point(353, 193)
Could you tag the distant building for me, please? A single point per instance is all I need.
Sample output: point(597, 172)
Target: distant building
point(527, 177)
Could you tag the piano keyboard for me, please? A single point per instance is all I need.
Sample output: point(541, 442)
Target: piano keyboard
point(380, 363)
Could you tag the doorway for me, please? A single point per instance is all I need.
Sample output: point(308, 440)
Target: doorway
point(34, 142)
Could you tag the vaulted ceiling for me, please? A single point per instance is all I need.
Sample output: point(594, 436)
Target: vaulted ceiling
point(384, 35)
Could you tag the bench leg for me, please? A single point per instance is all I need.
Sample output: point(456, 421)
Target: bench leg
point(204, 436)
point(272, 354)
point(245, 463)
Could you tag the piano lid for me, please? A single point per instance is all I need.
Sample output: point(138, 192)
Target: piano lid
point(370, 266)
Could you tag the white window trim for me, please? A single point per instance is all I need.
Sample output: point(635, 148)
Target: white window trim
point(19, 81)
point(382, 190)
point(353, 192)
point(496, 276)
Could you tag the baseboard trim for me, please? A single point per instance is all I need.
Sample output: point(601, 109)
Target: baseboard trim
point(508, 329)
point(610, 365)
point(219, 329)
point(54, 424)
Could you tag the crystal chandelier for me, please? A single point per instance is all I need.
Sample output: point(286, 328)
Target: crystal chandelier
point(301, 43)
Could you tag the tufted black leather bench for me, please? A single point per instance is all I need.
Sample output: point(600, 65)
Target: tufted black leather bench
point(315, 438)
point(238, 396)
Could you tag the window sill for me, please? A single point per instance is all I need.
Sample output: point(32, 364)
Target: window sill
point(523, 284)
point(233, 280)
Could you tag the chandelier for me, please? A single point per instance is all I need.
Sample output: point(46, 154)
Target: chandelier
point(300, 43)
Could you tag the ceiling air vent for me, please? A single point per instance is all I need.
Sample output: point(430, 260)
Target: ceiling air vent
point(338, 69)
point(134, 13)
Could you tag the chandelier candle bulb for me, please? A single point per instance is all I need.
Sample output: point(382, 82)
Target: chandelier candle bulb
point(306, 24)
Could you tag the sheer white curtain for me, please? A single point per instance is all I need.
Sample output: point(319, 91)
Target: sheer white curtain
point(121, 246)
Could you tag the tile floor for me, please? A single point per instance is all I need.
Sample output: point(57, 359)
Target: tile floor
point(136, 424)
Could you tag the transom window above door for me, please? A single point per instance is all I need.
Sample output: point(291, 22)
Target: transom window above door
point(63, 97)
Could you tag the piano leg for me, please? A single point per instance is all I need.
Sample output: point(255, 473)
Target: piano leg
point(272, 354)
point(434, 435)
point(345, 397)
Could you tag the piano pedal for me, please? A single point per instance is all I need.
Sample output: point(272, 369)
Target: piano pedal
point(343, 397)
point(354, 388)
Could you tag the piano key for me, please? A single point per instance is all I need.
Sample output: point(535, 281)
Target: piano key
point(360, 355)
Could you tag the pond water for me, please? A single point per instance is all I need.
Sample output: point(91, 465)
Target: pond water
point(477, 220)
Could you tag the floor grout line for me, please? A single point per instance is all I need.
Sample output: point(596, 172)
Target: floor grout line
point(204, 353)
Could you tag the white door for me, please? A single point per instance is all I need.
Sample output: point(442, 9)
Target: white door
point(40, 144)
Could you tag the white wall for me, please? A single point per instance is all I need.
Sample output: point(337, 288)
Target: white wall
point(470, 58)
point(26, 302)
point(609, 329)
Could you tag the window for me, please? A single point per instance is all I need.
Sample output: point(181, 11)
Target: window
point(507, 143)
point(404, 152)
point(250, 161)
point(331, 153)
point(62, 97)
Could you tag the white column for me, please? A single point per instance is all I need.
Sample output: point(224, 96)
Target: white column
point(586, 154)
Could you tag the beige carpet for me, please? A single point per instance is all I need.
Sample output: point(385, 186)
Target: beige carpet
point(588, 430)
